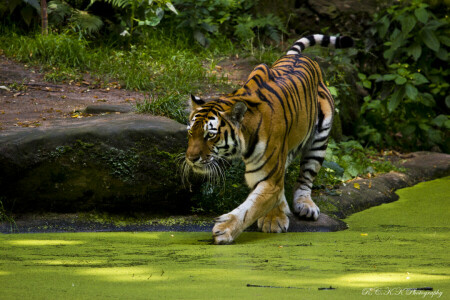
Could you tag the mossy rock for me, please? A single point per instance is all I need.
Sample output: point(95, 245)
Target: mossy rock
point(119, 165)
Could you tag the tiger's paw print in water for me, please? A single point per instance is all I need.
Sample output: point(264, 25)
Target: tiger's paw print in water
point(226, 229)
point(306, 208)
point(275, 221)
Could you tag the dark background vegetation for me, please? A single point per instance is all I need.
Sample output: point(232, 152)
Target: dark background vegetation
point(391, 90)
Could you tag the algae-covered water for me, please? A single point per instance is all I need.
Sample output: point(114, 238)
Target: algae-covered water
point(401, 249)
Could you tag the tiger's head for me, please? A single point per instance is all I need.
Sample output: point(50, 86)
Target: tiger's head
point(213, 134)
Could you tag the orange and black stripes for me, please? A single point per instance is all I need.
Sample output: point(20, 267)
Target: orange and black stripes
point(280, 112)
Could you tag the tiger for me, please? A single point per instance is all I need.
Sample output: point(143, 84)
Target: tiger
point(280, 112)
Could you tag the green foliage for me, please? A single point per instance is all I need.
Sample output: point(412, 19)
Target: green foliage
point(343, 161)
point(225, 197)
point(207, 19)
point(337, 65)
point(134, 14)
point(27, 11)
point(248, 26)
point(6, 217)
point(409, 101)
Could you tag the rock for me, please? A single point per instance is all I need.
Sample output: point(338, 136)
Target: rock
point(107, 108)
point(374, 191)
point(111, 163)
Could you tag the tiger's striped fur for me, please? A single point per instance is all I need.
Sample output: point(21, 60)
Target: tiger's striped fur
point(279, 113)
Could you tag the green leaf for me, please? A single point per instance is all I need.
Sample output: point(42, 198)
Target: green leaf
point(35, 4)
point(396, 98)
point(440, 120)
point(408, 24)
point(419, 79)
point(367, 84)
point(200, 38)
point(333, 166)
point(27, 14)
point(421, 14)
point(411, 91)
point(352, 170)
point(429, 38)
point(389, 54)
point(333, 91)
point(442, 54)
point(171, 7)
point(428, 100)
point(424, 126)
point(376, 77)
point(389, 77)
point(383, 26)
point(409, 129)
point(447, 101)
point(403, 72)
point(362, 76)
point(415, 51)
point(445, 40)
point(434, 135)
point(447, 124)
point(400, 80)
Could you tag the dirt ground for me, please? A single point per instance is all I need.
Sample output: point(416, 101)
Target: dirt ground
point(27, 100)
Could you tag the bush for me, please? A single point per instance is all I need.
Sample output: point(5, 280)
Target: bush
point(409, 98)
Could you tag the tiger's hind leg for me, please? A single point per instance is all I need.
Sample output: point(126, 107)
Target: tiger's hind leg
point(313, 157)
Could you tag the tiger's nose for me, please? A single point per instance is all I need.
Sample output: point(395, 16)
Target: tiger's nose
point(193, 158)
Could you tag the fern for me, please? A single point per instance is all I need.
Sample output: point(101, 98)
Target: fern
point(86, 22)
point(58, 11)
point(119, 3)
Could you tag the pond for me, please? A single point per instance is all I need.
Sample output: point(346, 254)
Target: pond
point(399, 248)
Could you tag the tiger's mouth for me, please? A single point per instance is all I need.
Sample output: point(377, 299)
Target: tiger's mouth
point(211, 169)
point(201, 167)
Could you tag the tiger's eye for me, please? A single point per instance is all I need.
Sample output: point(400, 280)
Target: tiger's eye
point(211, 135)
point(190, 132)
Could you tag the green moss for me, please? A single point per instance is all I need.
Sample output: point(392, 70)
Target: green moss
point(142, 219)
point(394, 247)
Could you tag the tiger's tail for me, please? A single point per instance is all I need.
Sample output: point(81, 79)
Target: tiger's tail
point(322, 40)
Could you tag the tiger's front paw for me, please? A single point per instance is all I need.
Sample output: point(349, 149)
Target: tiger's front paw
point(226, 229)
point(275, 221)
point(306, 208)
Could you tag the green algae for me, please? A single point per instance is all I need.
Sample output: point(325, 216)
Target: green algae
point(391, 249)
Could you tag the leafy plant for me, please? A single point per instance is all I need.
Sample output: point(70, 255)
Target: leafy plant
point(208, 19)
point(409, 100)
point(6, 217)
point(61, 14)
point(248, 27)
point(134, 14)
point(27, 10)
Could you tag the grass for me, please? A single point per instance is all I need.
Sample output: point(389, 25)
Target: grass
point(399, 247)
point(169, 67)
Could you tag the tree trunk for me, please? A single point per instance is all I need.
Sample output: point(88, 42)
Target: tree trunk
point(44, 17)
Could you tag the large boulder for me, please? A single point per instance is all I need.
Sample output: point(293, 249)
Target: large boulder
point(110, 163)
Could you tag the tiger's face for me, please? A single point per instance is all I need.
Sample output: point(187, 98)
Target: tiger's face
point(213, 135)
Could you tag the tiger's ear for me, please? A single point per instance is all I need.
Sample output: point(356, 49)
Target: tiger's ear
point(196, 102)
point(237, 112)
